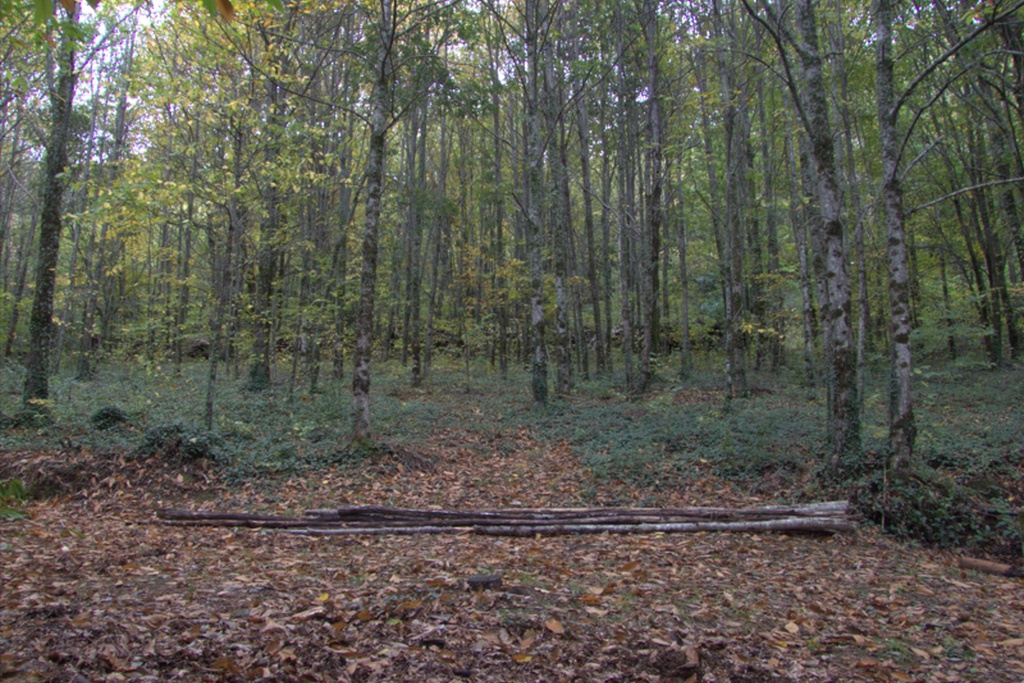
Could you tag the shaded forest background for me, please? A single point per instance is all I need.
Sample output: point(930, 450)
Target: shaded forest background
point(621, 191)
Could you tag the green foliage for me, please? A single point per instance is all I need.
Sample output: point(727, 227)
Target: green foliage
point(107, 417)
point(13, 494)
point(927, 506)
point(32, 417)
point(969, 433)
point(179, 443)
point(685, 430)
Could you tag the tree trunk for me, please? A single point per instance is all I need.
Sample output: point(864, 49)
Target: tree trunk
point(736, 127)
point(37, 364)
point(534, 193)
point(268, 252)
point(845, 409)
point(651, 247)
point(363, 351)
point(583, 131)
point(902, 429)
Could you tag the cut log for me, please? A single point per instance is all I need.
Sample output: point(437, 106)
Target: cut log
point(988, 567)
point(828, 517)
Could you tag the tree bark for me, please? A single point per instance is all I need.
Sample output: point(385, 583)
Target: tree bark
point(534, 190)
point(651, 248)
point(37, 364)
point(845, 409)
point(363, 351)
point(902, 429)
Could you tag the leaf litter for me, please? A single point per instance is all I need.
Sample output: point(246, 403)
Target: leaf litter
point(94, 590)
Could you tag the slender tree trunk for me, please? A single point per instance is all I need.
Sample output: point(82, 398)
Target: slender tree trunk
point(798, 220)
point(583, 130)
point(561, 220)
point(268, 254)
point(606, 231)
point(737, 131)
point(846, 117)
point(534, 193)
point(438, 238)
point(21, 280)
point(222, 274)
point(651, 248)
point(947, 307)
point(362, 353)
point(1011, 219)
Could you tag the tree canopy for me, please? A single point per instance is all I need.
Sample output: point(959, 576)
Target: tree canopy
point(584, 188)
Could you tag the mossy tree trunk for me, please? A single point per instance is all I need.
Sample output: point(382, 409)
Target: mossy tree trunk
point(845, 408)
point(37, 364)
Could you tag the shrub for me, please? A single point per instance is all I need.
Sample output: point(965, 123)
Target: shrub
point(177, 442)
point(926, 506)
point(35, 417)
point(107, 417)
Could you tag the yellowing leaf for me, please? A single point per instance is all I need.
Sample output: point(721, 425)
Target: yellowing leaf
point(522, 657)
point(226, 9)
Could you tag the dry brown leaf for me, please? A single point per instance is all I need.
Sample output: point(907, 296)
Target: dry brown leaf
point(554, 625)
point(226, 664)
point(308, 614)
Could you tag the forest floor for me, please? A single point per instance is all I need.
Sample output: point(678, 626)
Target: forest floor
point(94, 588)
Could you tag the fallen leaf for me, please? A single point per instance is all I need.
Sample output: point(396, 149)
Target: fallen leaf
point(227, 665)
point(308, 614)
point(555, 626)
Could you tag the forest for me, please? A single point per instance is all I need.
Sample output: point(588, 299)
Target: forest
point(630, 255)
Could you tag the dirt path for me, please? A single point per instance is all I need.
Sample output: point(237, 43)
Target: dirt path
point(93, 590)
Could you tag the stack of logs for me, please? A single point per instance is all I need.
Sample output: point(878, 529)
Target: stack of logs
point(830, 517)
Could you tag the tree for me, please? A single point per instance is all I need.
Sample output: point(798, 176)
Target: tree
point(809, 93)
point(389, 30)
point(901, 411)
point(62, 94)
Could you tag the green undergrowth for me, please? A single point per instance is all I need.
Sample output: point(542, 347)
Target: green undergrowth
point(970, 438)
point(966, 486)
